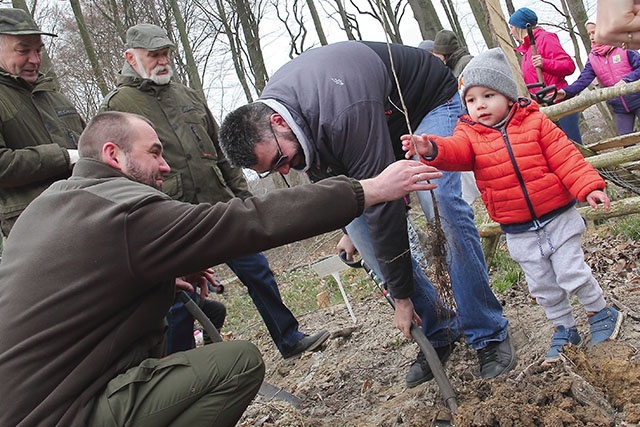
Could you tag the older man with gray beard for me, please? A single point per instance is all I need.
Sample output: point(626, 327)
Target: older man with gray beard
point(200, 173)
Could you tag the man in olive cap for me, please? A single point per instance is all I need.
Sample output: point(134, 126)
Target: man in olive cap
point(39, 127)
point(200, 173)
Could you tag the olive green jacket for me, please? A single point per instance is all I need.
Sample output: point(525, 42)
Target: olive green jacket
point(37, 126)
point(200, 173)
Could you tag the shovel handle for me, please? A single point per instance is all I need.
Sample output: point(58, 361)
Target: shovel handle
point(352, 264)
point(534, 51)
point(199, 315)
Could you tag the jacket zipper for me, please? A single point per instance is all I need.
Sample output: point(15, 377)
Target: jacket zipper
point(516, 169)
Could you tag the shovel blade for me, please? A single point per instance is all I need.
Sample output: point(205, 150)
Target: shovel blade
point(269, 391)
point(328, 266)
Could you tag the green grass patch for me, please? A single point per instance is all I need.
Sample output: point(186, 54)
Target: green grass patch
point(628, 226)
point(505, 273)
point(298, 289)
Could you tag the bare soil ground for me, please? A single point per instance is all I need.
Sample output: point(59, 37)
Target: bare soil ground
point(357, 379)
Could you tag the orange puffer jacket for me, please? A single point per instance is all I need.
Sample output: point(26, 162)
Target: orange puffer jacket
point(524, 171)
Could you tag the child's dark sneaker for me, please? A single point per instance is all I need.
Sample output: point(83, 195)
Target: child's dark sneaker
point(605, 324)
point(561, 337)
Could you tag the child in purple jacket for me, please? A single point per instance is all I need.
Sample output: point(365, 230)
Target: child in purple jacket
point(612, 66)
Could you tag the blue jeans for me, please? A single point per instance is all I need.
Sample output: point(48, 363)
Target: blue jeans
point(439, 324)
point(254, 272)
point(479, 313)
point(571, 126)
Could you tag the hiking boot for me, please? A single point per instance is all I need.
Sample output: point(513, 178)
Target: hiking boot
point(605, 324)
point(309, 343)
point(420, 371)
point(497, 358)
point(561, 337)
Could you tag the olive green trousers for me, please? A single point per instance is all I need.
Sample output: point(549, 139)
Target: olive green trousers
point(206, 386)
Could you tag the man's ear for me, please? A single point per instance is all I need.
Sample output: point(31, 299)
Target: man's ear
point(131, 59)
point(112, 155)
point(279, 121)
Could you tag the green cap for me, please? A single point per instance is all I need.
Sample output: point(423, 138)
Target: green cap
point(17, 22)
point(148, 37)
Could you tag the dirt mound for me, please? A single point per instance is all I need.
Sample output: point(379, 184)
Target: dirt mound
point(358, 377)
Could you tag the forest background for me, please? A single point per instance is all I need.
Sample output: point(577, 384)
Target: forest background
point(227, 49)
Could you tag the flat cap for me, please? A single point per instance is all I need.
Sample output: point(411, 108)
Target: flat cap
point(17, 22)
point(148, 37)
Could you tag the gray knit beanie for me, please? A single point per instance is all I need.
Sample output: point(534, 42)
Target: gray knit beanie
point(490, 69)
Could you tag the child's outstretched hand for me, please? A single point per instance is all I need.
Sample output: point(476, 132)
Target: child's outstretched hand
point(422, 144)
point(598, 196)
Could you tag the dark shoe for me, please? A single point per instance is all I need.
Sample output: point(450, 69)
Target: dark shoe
point(309, 343)
point(497, 358)
point(420, 371)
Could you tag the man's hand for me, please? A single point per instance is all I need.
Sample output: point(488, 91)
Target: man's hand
point(181, 285)
point(405, 315)
point(199, 279)
point(397, 180)
point(345, 244)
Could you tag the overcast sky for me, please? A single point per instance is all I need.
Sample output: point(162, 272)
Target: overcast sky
point(225, 93)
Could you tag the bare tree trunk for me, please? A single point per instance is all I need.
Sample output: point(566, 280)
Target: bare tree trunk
point(252, 43)
point(427, 17)
point(88, 46)
point(385, 14)
point(452, 15)
point(572, 35)
point(234, 49)
point(480, 14)
point(579, 14)
point(497, 23)
point(316, 22)
point(192, 69)
point(344, 18)
point(390, 15)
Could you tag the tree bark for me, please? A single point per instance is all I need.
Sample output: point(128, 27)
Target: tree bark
point(88, 46)
point(344, 18)
point(252, 42)
point(427, 18)
point(479, 12)
point(587, 99)
point(497, 24)
point(316, 22)
point(192, 68)
point(579, 14)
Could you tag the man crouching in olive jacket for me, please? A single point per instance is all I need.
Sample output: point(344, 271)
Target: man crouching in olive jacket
point(80, 348)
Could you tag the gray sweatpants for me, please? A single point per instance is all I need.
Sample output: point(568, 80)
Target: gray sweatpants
point(553, 263)
point(207, 386)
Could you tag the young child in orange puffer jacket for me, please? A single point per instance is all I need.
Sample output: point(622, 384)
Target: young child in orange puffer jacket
point(530, 175)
